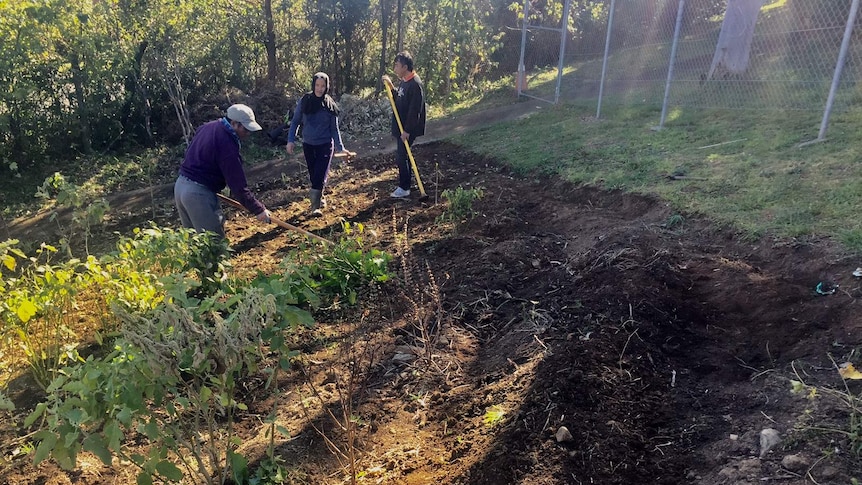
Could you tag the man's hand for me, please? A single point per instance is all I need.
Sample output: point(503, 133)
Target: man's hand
point(405, 135)
point(265, 216)
point(290, 147)
point(387, 82)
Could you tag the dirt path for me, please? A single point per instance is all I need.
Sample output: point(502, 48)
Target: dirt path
point(663, 345)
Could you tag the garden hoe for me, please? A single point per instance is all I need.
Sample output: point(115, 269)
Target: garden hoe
point(277, 221)
point(389, 89)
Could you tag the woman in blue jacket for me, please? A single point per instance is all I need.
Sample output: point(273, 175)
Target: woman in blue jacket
point(317, 113)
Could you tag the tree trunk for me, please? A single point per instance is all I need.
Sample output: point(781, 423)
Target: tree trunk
point(83, 111)
point(399, 22)
point(269, 42)
point(734, 40)
point(19, 143)
point(431, 74)
point(131, 85)
point(236, 78)
point(384, 34)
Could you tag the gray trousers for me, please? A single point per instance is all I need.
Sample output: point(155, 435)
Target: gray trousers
point(198, 206)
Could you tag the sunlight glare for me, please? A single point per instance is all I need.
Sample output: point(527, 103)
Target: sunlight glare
point(774, 4)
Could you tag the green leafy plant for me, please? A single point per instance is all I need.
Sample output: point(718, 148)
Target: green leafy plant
point(345, 267)
point(39, 308)
point(270, 471)
point(171, 376)
point(166, 252)
point(460, 203)
point(49, 307)
point(88, 210)
point(8, 253)
point(494, 415)
point(172, 380)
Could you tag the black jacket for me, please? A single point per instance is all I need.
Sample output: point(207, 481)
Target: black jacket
point(410, 103)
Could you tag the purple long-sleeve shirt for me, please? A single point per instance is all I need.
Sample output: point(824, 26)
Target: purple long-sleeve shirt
point(213, 160)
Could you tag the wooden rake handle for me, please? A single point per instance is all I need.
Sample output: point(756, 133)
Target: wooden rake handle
point(276, 220)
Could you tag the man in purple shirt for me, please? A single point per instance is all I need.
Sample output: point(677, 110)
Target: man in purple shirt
point(213, 162)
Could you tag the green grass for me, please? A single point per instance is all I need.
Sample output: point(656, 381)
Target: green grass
point(760, 183)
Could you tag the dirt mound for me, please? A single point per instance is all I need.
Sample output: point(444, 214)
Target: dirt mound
point(662, 344)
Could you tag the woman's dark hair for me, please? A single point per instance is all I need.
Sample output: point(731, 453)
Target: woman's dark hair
point(406, 59)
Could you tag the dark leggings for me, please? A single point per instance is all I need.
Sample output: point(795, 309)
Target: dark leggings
point(318, 158)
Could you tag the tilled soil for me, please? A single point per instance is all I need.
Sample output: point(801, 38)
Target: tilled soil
point(663, 344)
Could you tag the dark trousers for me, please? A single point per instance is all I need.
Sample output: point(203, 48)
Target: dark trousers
point(317, 159)
point(403, 161)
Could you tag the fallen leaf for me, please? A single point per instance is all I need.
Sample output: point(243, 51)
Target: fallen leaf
point(847, 371)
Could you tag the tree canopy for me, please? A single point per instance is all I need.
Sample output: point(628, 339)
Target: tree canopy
point(83, 76)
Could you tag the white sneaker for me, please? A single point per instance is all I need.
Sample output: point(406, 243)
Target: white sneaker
point(400, 193)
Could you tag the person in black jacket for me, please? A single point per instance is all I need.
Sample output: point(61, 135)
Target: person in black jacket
point(410, 105)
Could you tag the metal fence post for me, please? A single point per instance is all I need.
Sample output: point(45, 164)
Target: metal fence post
point(839, 66)
point(522, 73)
point(671, 62)
point(565, 31)
point(605, 60)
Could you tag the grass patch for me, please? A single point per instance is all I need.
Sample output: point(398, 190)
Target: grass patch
point(739, 168)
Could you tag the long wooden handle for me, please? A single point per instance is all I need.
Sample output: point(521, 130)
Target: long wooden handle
point(275, 220)
point(389, 88)
point(346, 154)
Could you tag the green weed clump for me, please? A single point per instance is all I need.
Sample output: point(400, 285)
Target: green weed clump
point(171, 378)
point(88, 209)
point(460, 201)
point(342, 269)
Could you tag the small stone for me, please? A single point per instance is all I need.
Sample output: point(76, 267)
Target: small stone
point(829, 472)
point(734, 437)
point(749, 468)
point(729, 473)
point(768, 439)
point(795, 463)
point(563, 435)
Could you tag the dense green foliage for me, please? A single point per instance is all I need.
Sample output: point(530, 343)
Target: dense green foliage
point(173, 334)
point(112, 75)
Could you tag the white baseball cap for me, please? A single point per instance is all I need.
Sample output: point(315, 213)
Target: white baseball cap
point(243, 114)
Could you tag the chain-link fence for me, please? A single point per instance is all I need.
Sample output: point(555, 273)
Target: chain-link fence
point(543, 37)
point(730, 54)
